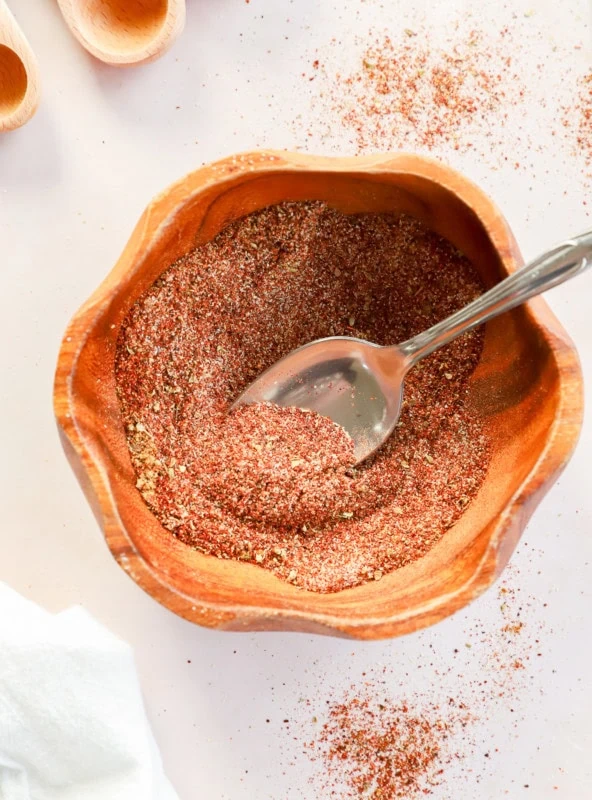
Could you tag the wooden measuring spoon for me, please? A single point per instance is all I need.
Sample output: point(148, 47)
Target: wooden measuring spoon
point(19, 74)
point(125, 32)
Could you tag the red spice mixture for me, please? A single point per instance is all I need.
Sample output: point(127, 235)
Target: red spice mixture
point(276, 488)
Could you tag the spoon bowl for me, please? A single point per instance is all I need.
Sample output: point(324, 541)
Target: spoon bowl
point(124, 32)
point(19, 81)
point(349, 380)
point(359, 385)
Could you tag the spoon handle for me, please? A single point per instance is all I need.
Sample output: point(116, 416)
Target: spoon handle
point(560, 264)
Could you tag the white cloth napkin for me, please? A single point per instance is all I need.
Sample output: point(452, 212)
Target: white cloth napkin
point(72, 721)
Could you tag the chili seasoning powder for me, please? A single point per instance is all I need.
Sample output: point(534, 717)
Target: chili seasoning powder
point(277, 488)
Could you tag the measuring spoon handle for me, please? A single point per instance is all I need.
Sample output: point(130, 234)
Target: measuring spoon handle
point(563, 262)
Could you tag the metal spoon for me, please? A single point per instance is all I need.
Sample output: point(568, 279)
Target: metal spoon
point(359, 385)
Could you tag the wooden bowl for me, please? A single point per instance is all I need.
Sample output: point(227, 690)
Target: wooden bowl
point(527, 386)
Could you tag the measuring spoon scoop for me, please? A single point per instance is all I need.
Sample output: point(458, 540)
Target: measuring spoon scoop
point(19, 74)
point(124, 32)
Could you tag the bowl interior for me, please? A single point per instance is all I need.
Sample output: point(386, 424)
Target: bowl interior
point(515, 387)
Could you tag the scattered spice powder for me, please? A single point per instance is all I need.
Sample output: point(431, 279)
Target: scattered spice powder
point(463, 94)
point(374, 740)
point(378, 750)
point(583, 109)
point(276, 487)
point(407, 93)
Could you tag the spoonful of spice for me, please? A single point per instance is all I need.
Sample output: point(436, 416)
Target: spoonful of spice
point(359, 385)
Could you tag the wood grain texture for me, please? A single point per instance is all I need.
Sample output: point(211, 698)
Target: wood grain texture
point(19, 74)
point(125, 32)
point(527, 386)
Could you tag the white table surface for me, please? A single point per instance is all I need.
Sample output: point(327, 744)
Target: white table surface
point(72, 185)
